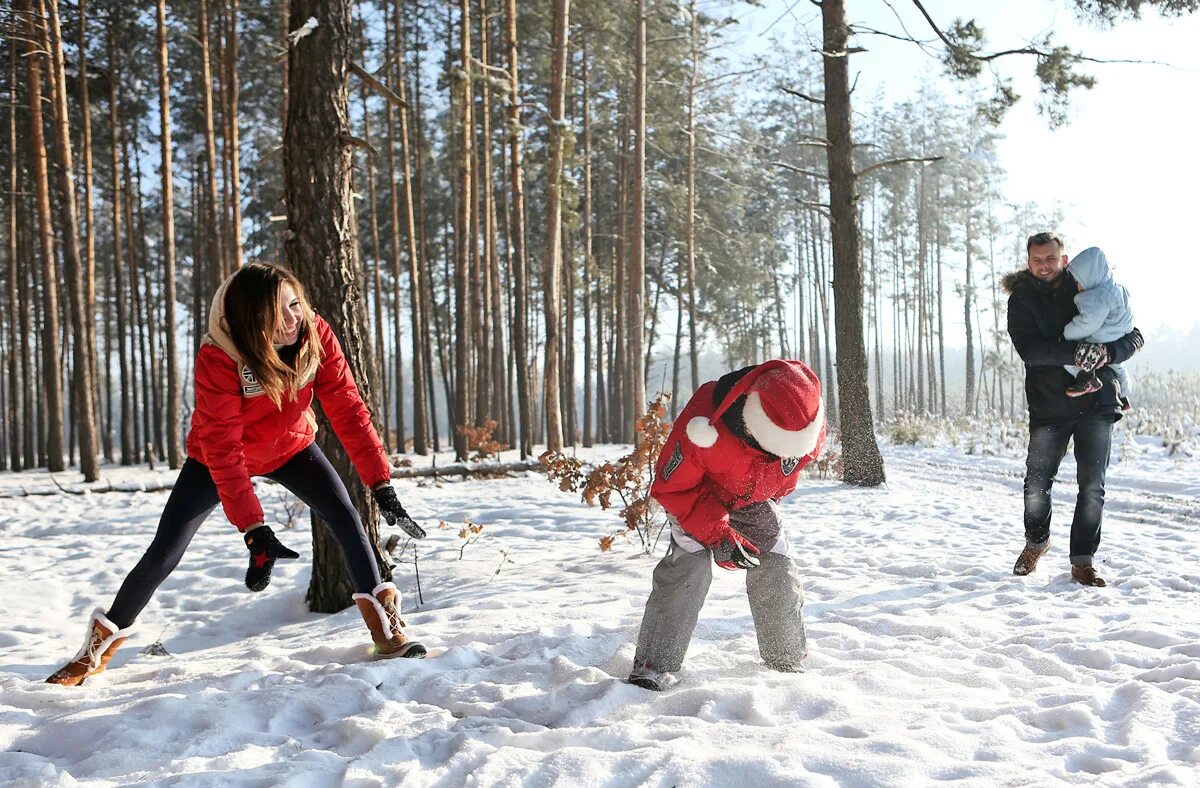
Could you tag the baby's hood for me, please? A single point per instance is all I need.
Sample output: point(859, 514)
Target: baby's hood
point(1090, 268)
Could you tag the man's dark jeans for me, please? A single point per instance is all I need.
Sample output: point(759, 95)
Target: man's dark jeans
point(1047, 447)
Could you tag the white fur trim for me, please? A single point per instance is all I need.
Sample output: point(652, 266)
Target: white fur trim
point(94, 649)
point(778, 441)
point(374, 597)
point(701, 432)
point(377, 590)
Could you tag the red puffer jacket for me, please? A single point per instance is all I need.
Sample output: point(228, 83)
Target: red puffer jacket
point(237, 432)
point(700, 483)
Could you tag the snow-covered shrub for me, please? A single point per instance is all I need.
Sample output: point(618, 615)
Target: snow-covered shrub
point(907, 431)
point(829, 463)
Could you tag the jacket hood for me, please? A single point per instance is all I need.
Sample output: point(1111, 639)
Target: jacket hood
point(1021, 278)
point(1090, 268)
point(218, 328)
point(1010, 280)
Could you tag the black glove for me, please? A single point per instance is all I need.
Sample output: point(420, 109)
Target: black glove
point(1090, 356)
point(264, 549)
point(393, 512)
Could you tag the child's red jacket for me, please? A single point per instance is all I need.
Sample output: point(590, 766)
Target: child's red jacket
point(237, 432)
point(700, 485)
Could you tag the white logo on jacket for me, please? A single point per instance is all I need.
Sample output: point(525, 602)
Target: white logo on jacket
point(251, 387)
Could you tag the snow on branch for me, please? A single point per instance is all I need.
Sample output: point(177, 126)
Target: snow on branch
point(890, 162)
point(305, 29)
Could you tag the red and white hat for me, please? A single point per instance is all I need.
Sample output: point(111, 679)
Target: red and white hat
point(783, 411)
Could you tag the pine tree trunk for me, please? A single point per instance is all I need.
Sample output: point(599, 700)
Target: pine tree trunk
point(510, 425)
point(139, 306)
point(801, 273)
point(876, 309)
point(376, 273)
point(481, 264)
point(601, 359)
point(693, 74)
point(588, 260)
point(425, 257)
point(652, 333)
point(463, 125)
point(128, 452)
point(137, 326)
point(636, 403)
point(216, 262)
point(18, 360)
point(174, 454)
point(622, 386)
point(51, 371)
point(417, 315)
point(394, 224)
point(968, 297)
point(28, 340)
point(941, 312)
point(517, 236)
point(232, 142)
point(862, 461)
point(823, 287)
point(780, 320)
point(553, 260)
point(322, 247)
point(922, 254)
point(89, 239)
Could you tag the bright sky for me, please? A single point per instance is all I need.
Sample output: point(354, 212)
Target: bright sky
point(1125, 170)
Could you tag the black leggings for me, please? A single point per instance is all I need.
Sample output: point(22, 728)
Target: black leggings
point(308, 476)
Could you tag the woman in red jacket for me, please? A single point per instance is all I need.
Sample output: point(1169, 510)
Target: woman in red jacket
point(264, 358)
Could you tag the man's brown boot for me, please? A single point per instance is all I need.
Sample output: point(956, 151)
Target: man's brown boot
point(1086, 575)
point(1028, 559)
point(101, 643)
point(380, 609)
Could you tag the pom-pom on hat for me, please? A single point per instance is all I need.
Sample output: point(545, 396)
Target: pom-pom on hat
point(783, 411)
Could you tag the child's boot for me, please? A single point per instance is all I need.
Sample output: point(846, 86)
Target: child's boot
point(1085, 383)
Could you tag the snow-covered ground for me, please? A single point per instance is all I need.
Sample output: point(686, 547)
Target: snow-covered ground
point(929, 661)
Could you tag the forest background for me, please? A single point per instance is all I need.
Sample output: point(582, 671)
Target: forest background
point(687, 228)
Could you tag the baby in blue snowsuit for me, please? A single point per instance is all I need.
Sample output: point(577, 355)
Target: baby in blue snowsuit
point(1104, 316)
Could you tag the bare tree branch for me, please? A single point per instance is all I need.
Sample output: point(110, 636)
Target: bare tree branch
point(792, 168)
point(358, 142)
point(890, 162)
point(376, 85)
point(924, 45)
point(804, 96)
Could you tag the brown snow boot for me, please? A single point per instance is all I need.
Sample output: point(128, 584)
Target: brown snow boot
point(380, 609)
point(101, 643)
point(1086, 575)
point(1028, 559)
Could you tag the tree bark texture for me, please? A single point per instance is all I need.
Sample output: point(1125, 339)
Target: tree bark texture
point(862, 461)
point(322, 246)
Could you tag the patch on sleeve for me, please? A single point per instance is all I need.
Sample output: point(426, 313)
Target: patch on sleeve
point(673, 463)
point(250, 385)
point(788, 465)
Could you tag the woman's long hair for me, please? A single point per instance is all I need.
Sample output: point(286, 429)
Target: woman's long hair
point(252, 314)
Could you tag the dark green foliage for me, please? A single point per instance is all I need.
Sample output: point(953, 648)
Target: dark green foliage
point(1112, 11)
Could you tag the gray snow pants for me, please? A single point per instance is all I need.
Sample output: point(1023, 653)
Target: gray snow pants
point(681, 582)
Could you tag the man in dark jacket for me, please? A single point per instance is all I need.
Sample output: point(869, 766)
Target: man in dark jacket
point(1041, 302)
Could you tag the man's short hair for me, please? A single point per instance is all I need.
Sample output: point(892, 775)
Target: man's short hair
point(1041, 239)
